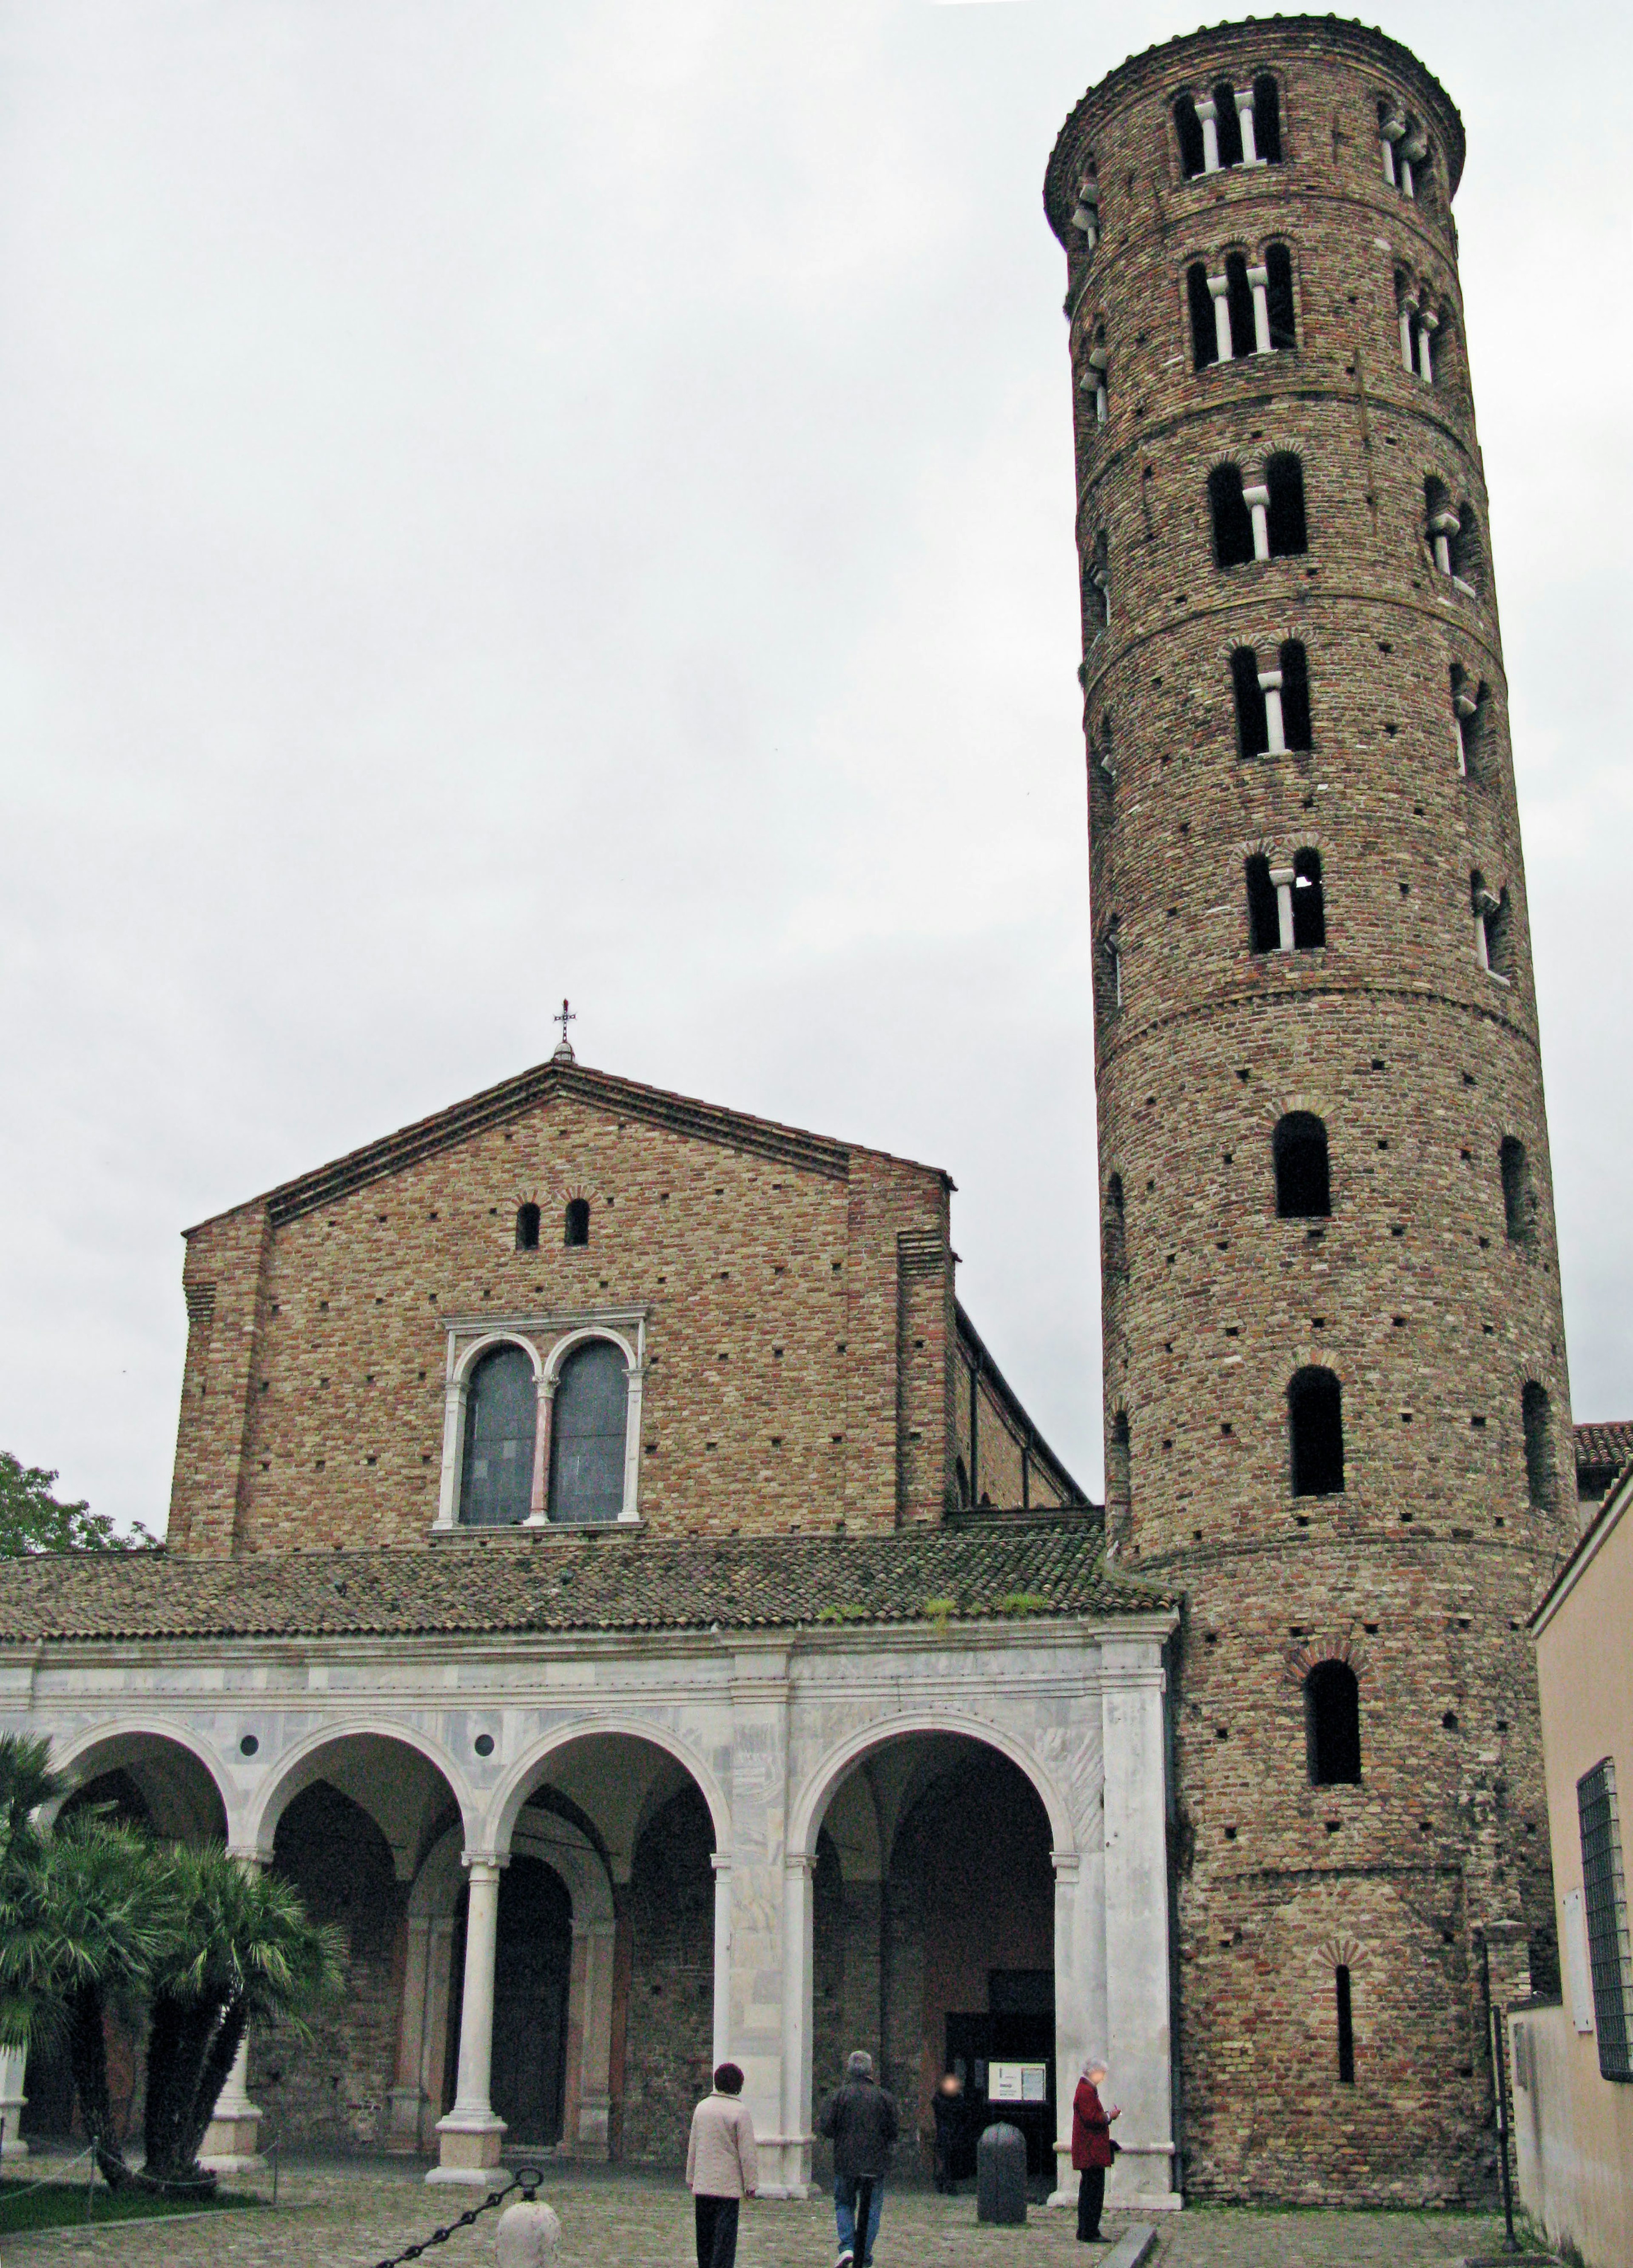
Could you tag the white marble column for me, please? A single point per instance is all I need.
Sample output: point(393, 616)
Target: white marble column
point(1259, 284)
point(1095, 375)
point(1465, 708)
point(1086, 215)
point(1274, 725)
point(470, 2134)
point(1283, 878)
point(1258, 503)
point(721, 1861)
point(13, 2063)
point(1442, 527)
point(1244, 118)
point(1208, 112)
point(799, 1926)
point(452, 1450)
point(1391, 130)
point(1079, 1993)
point(1408, 311)
point(1414, 150)
point(1428, 324)
point(1220, 287)
point(232, 2141)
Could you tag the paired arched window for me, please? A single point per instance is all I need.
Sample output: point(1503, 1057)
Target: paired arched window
point(588, 1420)
point(1240, 310)
point(1086, 214)
point(1422, 329)
point(1408, 161)
point(576, 1225)
point(501, 1428)
point(1272, 704)
point(1286, 910)
point(1332, 1725)
point(1452, 534)
point(1229, 126)
point(527, 1228)
point(1469, 712)
point(1537, 1420)
point(1263, 521)
point(1493, 927)
point(1519, 1197)
point(1096, 361)
point(1309, 901)
point(1315, 1427)
point(589, 1417)
point(1303, 1179)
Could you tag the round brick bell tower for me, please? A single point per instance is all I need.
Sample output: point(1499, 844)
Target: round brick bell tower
point(1336, 1403)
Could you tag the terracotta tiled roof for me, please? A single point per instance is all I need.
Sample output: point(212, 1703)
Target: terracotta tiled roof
point(1603, 1450)
point(597, 1582)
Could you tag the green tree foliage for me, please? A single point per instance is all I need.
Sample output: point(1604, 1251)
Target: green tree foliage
point(32, 1519)
point(97, 1915)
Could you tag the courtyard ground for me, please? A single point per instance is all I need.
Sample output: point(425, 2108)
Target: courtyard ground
point(351, 2215)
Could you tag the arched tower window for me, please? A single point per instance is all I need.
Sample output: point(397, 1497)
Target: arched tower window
point(1097, 581)
point(1232, 521)
point(1264, 926)
point(501, 1421)
point(1096, 362)
point(1492, 927)
point(1469, 711)
point(527, 1228)
point(1116, 1229)
point(1238, 303)
point(1302, 1180)
point(1536, 1417)
point(575, 1226)
point(1229, 124)
point(1309, 903)
point(1332, 1725)
point(1315, 1425)
point(1267, 119)
point(1204, 330)
point(1518, 1200)
point(1346, 2025)
point(1188, 127)
point(1283, 476)
point(1295, 668)
point(1278, 289)
point(587, 1424)
point(1252, 728)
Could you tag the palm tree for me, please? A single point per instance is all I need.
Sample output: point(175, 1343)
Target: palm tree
point(27, 1781)
point(243, 1949)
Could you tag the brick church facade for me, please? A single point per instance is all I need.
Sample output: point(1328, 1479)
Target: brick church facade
point(607, 1570)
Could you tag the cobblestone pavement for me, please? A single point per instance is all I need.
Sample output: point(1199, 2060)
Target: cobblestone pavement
point(350, 2216)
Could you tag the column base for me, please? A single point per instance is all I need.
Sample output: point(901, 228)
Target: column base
point(232, 2141)
point(470, 2149)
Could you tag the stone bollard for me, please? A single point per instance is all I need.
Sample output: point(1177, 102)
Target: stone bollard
point(1001, 2176)
point(528, 2235)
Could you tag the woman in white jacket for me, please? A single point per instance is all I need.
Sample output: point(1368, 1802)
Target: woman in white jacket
point(722, 2166)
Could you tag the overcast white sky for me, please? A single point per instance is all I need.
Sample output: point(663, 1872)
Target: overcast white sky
point(507, 498)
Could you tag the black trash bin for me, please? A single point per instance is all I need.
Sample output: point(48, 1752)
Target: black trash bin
point(1001, 2176)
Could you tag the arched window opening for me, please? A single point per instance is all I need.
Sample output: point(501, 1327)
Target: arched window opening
point(1315, 1421)
point(587, 1424)
point(1086, 214)
point(1468, 708)
point(1415, 165)
point(1204, 330)
point(576, 1227)
point(1264, 926)
point(1519, 1198)
point(1103, 771)
point(1442, 527)
point(527, 1228)
point(1303, 1183)
point(1295, 668)
point(1278, 288)
point(501, 1421)
point(1346, 2026)
point(1096, 361)
point(1238, 303)
point(1187, 126)
point(1111, 969)
point(1230, 124)
point(1464, 544)
point(1267, 119)
point(1391, 131)
point(1405, 311)
point(1536, 1417)
point(1492, 939)
point(1119, 1479)
point(1309, 903)
point(1097, 588)
point(1283, 476)
point(1252, 728)
point(1332, 1725)
point(1116, 1229)
point(1232, 521)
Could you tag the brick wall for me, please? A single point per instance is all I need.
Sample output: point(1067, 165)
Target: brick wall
point(1418, 1060)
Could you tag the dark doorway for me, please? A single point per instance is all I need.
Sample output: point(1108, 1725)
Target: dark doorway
point(532, 1969)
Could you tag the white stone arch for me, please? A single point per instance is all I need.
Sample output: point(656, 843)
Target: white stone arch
point(581, 1335)
point(468, 1357)
point(303, 1766)
point(118, 1746)
point(807, 1811)
point(499, 1821)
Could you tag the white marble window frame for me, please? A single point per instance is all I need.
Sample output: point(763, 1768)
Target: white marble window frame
point(547, 1340)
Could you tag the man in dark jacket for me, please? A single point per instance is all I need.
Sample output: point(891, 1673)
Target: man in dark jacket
point(861, 2123)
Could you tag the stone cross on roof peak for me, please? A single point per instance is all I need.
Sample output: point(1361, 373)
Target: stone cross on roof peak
point(562, 1051)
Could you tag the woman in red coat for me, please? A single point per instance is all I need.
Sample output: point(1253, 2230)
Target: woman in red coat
point(1090, 2148)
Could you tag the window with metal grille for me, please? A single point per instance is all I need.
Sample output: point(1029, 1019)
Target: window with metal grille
point(1605, 1902)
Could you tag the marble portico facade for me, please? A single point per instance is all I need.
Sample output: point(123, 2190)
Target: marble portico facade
point(771, 1725)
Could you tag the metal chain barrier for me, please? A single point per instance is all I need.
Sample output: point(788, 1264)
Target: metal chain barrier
point(525, 2178)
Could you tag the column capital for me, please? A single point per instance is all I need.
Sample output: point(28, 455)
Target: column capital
point(1283, 877)
point(1259, 278)
point(1256, 495)
point(1208, 109)
point(721, 1861)
point(1219, 285)
point(800, 1862)
point(489, 1864)
point(1067, 1865)
point(1269, 680)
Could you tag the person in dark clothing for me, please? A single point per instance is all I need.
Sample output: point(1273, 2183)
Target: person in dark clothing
point(861, 2123)
point(947, 2107)
point(1090, 2148)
